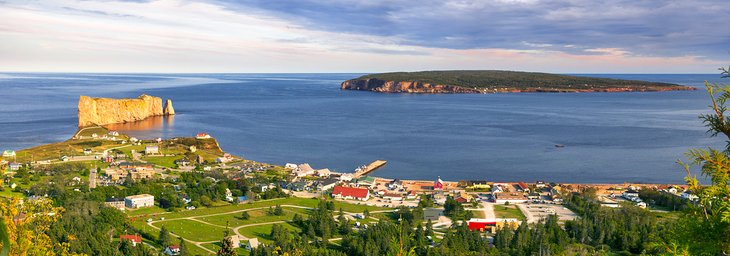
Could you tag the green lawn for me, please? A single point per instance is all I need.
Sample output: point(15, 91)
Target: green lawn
point(215, 246)
point(165, 161)
point(508, 211)
point(307, 202)
point(356, 208)
point(256, 216)
point(263, 231)
point(192, 230)
point(145, 211)
point(478, 214)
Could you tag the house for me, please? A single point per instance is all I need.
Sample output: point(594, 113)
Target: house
point(113, 133)
point(236, 241)
point(138, 201)
point(507, 197)
point(87, 151)
point(225, 158)
point(540, 184)
point(172, 250)
point(432, 214)
point(689, 196)
point(297, 186)
point(242, 199)
point(522, 187)
point(438, 184)
point(304, 170)
point(182, 161)
point(342, 192)
point(229, 195)
point(252, 243)
point(151, 150)
point(327, 184)
point(135, 239)
point(9, 153)
point(477, 185)
point(392, 196)
point(366, 181)
point(117, 203)
point(347, 177)
point(13, 166)
point(324, 172)
point(630, 194)
point(411, 195)
point(290, 166)
point(497, 188)
point(202, 136)
point(461, 200)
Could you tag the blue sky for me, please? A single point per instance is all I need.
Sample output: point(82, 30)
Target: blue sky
point(364, 36)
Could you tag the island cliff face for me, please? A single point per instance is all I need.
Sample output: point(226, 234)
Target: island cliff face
point(102, 111)
point(378, 85)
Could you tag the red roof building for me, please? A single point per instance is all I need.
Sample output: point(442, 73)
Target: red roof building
point(523, 186)
point(202, 135)
point(438, 185)
point(461, 200)
point(351, 193)
point(135, 239)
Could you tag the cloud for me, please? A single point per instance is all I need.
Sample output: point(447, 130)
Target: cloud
point(361, 36)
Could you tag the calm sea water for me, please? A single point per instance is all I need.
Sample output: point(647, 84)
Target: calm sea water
point(280, 118)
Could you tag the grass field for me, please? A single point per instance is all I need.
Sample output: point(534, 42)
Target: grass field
point(508, 211)
point(193, 230)
point(478, 214)
point(165, 161)
point(230, 215)
point(145, 211)
point(263, 231)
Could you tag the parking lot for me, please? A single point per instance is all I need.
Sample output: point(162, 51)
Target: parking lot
point(535, 212)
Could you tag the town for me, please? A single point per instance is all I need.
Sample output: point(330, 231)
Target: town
point(113, 160)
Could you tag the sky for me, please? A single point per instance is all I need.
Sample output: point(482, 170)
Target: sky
point(335, 36)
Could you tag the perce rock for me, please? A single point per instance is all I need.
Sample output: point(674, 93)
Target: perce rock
point(102, 111)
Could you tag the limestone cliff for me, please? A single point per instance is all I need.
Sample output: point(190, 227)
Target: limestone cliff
point(378, 85)
point(168, 108)
point(102, 111)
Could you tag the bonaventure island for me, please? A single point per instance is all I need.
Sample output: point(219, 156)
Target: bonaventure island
point(102, 192)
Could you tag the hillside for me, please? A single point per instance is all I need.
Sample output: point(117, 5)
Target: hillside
point(492, 81)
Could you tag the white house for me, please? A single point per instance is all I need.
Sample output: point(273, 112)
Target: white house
point(151, 150)
point(138, 201)
point(9, 153)
point(252, 243)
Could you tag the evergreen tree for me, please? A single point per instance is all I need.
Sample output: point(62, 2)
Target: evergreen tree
point(227, 248)
point(183, 247)
point(164, 239)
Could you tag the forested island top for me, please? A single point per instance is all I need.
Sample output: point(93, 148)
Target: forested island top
point(497, 81)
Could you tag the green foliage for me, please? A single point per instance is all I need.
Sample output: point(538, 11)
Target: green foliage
point(708, 224)
point(453, 209)
point(492, 79)
point(164, 238)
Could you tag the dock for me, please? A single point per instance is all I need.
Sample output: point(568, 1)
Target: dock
point(369, 168)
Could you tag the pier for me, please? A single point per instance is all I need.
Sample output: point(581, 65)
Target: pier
point(369, 168)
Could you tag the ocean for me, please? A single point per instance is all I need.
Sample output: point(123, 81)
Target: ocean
point(306, 118)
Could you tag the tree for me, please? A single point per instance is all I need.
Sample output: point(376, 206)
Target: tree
point(206, 201)
point(366, 213)
point(708, 225)
point(245, 215)
point(164, 239)
point(278, 211)
point(183, 248)
point(227, 248)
